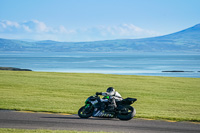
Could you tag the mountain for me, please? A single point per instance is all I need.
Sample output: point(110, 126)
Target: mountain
point(187, 40)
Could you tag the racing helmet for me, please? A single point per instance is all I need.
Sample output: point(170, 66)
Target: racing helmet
point(111, 91)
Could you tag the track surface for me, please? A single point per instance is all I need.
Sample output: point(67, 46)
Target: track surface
point(13, 119)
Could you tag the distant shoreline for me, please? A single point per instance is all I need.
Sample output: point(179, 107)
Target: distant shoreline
point(179, 71)
point(14, 69)
point(19, 69)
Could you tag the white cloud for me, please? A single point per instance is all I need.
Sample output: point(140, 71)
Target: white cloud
point(40, 26)
point(63, 30)
point(26, 28)
point(126, 30)
point(38, 30)
point(11, 24)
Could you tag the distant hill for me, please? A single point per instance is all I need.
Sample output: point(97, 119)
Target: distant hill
point(14, 69)
point(187, 40)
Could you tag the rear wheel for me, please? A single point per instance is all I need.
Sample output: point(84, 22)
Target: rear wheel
point(85, 112)
point(127, 113)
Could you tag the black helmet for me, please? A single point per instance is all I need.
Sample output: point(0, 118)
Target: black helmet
point(110, 91)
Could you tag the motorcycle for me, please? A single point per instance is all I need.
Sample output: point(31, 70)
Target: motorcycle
point(105, 108)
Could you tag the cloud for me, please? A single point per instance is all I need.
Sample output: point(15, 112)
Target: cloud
point(126, 30)
point(7, 26)
point(33, 26)
point(38, 30)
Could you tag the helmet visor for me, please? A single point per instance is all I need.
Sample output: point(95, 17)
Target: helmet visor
point(109, 90)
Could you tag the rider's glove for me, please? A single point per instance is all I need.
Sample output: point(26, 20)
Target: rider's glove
point(98, 93)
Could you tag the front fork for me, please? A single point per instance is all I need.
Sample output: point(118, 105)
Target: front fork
point(88, 108)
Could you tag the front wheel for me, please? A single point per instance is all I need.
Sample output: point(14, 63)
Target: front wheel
point(85, 112)
point(127, 113)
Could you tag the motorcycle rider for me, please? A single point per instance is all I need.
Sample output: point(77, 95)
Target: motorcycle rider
point(113, 95)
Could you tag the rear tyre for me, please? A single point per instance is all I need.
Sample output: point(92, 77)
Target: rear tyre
point(85, 112)
point(127, 113)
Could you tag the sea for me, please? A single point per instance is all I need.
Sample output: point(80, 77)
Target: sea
point(147, 64)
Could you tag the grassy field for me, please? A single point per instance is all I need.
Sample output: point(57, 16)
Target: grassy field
point(168, 98)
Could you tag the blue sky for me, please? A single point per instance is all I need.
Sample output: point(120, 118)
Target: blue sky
point(92, 20)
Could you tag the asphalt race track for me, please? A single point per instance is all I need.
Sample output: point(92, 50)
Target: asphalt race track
point(22, 120)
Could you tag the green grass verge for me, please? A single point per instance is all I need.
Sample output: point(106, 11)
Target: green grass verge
point(169, 98)
point(9, 130)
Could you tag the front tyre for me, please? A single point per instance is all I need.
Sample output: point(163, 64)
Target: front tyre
point(127, 113)
point(84, 112)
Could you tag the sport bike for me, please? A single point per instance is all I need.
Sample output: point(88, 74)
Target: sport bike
point(97, 107)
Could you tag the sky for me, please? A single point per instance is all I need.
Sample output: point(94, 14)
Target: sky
point(94, 20)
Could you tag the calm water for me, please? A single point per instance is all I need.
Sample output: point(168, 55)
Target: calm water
point(107, 63)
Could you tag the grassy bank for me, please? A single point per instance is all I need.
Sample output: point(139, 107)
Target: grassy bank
point(158, 97)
